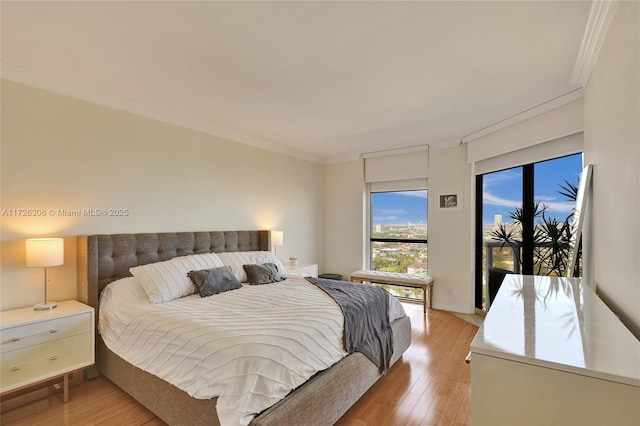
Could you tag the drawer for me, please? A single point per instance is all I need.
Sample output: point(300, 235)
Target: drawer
point(39, 362)
point(35, 333)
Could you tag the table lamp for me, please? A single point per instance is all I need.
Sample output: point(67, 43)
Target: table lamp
point(277, 238)
point(44, 252)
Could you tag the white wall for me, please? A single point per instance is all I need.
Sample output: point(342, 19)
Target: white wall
point(612, 144)
point(450, 239)
point(344, 218)
point(450, 235)
point(62, 153)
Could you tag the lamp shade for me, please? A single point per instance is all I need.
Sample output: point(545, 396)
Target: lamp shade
point(277, 238)
point(45, 251)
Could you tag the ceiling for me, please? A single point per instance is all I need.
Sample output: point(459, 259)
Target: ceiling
point(326, 81)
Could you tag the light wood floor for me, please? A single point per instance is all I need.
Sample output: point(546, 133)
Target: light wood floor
point(430, 385)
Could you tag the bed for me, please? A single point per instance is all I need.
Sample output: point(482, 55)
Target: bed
point(320, 400)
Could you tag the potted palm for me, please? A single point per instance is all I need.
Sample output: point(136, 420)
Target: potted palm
point(551, 240)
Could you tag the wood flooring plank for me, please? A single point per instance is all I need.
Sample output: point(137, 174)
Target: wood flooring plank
point(429, 385)
point(437, 371)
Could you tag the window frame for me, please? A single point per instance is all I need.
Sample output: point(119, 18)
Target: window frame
point(399, 186)
point(528, 201)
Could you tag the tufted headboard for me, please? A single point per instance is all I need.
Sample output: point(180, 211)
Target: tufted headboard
point(106, 258)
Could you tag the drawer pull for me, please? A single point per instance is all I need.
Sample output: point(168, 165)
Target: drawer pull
point(41, 361)
point(31, 336)
point(468, 358)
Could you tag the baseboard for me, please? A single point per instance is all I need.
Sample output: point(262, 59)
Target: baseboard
point(453, 308)
point(480, 312)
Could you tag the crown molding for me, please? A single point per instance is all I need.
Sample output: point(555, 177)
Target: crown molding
point(76, 91)
point(552, 104)
point(394, 151)
point(600, 17)
point(342, 159)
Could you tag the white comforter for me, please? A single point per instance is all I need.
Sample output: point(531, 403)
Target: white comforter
point(249, 347)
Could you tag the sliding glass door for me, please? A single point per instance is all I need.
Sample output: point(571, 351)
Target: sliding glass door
point(523, 222)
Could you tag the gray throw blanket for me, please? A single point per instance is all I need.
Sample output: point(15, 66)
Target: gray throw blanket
point(366, 318)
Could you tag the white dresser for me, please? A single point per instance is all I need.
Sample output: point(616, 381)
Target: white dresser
point(36, 346)
point(551, 352)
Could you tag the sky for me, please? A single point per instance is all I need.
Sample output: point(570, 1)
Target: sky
point(399, 207)
point(501, 193)
point(502, 190)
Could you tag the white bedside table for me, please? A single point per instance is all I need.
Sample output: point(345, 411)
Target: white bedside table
point(302, 269)
point(37, 346)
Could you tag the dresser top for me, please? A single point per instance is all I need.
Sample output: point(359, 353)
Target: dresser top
point(558, 323)
point(28, 315)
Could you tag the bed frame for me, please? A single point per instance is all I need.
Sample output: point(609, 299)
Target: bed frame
point(322, 400)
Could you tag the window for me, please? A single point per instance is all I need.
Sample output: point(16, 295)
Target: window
point(522, 222)
point(398, 236)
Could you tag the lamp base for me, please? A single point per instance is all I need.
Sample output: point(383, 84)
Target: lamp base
point(49, 306)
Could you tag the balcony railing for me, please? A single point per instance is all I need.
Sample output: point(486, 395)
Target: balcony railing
point(502, 259)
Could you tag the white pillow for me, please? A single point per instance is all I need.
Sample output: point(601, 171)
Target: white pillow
point(120, 302)
point(236, 259)
point(168, 280)
point(123, 291)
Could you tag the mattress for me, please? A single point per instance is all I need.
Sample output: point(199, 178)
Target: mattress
point(248, 347)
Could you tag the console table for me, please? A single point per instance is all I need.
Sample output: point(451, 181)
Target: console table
point(551, 352)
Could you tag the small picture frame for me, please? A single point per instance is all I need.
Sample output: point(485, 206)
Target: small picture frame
point(450, 201)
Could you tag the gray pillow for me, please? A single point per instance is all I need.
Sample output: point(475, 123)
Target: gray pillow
point(266, 273)
point(214, 281)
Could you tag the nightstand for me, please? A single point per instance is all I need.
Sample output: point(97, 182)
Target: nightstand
point(37, 346)
point(302, 269)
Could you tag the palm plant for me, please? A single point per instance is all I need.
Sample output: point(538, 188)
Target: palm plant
point(551, 239)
